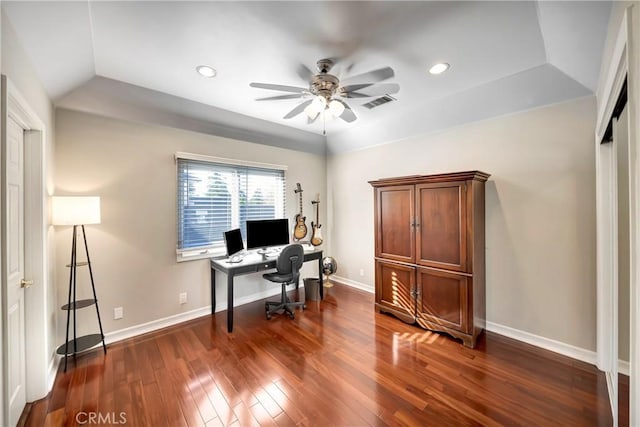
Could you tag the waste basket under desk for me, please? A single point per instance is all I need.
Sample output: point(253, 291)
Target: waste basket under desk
point(311, 289)
point(252, 263)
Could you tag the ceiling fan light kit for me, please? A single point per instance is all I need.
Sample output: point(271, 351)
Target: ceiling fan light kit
point(326, 91)
point(336, 108)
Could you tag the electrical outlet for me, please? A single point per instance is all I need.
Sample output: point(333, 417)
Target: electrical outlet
point(183, 298)
point(362, 272)
point(118, 313)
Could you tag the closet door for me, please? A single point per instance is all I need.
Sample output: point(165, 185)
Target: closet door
point(441, 228)
point(394, 218)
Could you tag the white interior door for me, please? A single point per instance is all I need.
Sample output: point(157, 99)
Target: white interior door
point(15, 320)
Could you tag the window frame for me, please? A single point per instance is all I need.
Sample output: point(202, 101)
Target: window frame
point(189, 254)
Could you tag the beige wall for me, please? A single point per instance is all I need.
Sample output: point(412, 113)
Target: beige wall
point(131, 167)
point(18, 69)
point(540, 212)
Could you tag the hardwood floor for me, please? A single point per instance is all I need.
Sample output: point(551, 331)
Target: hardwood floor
point(338, 363)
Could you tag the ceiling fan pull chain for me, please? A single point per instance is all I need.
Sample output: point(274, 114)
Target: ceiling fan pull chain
point(324, 124)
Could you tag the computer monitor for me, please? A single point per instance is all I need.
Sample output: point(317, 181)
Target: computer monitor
point(233, 241)
point(267, 232)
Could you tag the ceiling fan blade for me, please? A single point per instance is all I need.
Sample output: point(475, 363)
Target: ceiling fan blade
point(374, 90)
point(353, 88)
point(273, 98)
point(282, 88)
point(304, 72)
point(298, 109)
point(347, 115)
point(373, 76)
point(355, 95)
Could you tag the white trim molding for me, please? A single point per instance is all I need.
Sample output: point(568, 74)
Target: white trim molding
point(154, 325)
point(615, 78)
point(234, 162)
point(632, 23)
point(53, 370)
point(623, 367)
point(164, 322)
point(568, 350)
point(578, 353)
point(353, 284)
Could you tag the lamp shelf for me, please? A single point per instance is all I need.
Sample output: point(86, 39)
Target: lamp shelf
point(82, 303)
point(78, 264)
point(81, 343)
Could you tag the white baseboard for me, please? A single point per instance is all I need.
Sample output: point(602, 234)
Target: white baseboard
point(53, 371)
point(546, 343)
point(143, 328)
point(353, 283)
point(552, 345)
point(251, 298)
point(175, 319)
point(623, 367)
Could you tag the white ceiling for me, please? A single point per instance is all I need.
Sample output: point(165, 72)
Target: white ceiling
point(504, 56)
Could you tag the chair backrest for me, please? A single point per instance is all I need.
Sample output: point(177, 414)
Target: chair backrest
point(290, 260)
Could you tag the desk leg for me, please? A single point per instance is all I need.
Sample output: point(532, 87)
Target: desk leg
point(213, 292)
point(229, 302)
point(320, 278)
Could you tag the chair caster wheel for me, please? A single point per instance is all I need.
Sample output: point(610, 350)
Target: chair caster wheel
point(268, 316)
point(292, 316)
point(304, 307)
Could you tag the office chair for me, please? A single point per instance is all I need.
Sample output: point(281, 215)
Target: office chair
point(288, 271)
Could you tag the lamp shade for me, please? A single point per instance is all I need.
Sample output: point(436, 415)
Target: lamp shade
point(75, 210)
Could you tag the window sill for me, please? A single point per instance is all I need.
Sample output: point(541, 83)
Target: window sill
point(192, 255)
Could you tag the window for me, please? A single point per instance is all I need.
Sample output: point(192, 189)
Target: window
point(216, 195)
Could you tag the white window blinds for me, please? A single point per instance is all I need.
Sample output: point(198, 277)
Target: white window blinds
point(214, 197)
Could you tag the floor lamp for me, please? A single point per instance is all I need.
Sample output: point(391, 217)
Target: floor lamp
point(78, 211)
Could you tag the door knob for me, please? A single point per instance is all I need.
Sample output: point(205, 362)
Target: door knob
point(26, 283)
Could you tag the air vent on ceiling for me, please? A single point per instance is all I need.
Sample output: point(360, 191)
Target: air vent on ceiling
point(379, 101)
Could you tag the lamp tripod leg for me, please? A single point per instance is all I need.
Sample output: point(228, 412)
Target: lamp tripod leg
point(72, 263)
point(93, 288)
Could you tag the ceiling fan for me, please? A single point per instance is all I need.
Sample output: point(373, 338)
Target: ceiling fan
point(326, 93)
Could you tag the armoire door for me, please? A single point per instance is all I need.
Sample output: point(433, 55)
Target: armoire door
point(443, 299)
point(394, 219)
point(395, 289)
point(441, 233)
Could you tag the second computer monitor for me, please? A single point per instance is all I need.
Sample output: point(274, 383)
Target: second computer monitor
point(267, 232)
point(233, 241)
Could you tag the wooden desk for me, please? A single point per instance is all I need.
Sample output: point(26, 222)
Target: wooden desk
point(252, 263)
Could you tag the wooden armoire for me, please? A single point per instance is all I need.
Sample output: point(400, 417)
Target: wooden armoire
point(430, 253)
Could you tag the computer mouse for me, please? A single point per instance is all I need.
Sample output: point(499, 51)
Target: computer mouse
point(235, 258)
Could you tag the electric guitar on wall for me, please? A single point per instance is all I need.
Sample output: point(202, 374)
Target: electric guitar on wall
point(316, 237)
point(300, 229)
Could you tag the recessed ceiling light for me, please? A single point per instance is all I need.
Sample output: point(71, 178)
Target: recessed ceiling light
point(206, 71)
point(439, 68)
